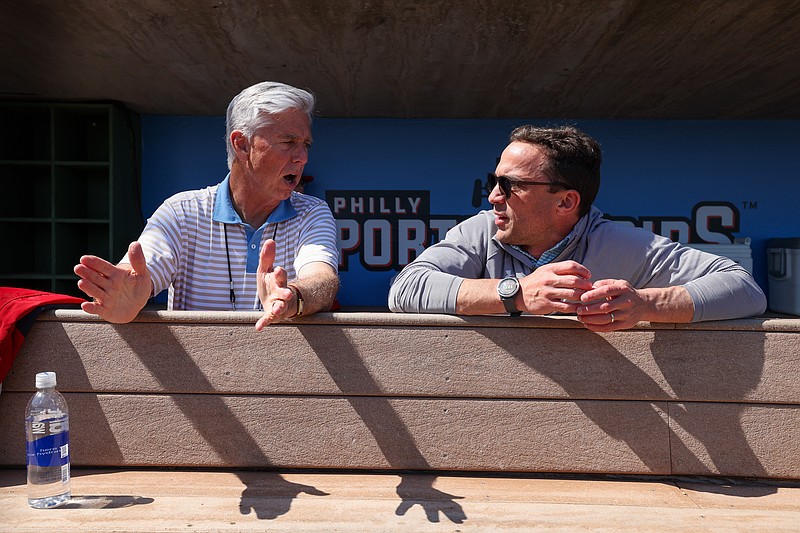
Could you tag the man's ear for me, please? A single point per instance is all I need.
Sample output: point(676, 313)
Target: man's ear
point(239, 142)
point(570, 202)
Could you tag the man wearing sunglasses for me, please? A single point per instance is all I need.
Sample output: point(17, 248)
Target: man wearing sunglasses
point(543, 248)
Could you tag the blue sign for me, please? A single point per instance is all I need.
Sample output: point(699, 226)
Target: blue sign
point(395, 186)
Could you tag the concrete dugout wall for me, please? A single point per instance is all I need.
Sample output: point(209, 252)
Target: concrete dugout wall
point(420, 392)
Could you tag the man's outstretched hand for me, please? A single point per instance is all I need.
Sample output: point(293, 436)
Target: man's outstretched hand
point(273, 289)
point(118, 292)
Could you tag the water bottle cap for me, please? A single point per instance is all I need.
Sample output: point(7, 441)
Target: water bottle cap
point(45, 380)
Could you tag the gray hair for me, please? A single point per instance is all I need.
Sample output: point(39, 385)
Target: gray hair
point(253, 108)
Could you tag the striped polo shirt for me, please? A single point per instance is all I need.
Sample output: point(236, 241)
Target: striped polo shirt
point(184, 245)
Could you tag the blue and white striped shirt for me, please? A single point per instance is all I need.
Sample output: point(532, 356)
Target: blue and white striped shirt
point(184, 244)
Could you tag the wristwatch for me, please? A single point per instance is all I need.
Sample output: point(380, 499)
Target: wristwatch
point(508, 289)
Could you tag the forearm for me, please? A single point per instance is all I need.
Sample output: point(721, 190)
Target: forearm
point(318, 284)
point(719, 288)
point(419, 289)
point(726, 295)
point(668, 304)
point(479, 297)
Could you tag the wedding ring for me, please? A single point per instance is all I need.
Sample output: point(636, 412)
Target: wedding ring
point(612, 318)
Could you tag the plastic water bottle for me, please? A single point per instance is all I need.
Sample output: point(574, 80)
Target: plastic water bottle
point(47, 436)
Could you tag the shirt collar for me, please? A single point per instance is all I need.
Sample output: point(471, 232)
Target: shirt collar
point(548, 255)
point(224, 211)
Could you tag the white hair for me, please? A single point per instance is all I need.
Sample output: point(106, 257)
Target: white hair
point(253, 108)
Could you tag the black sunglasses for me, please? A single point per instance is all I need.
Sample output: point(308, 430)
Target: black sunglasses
point(506, 183)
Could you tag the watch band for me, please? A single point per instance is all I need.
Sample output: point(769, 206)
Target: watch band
point(300, 302)
point(510, 307)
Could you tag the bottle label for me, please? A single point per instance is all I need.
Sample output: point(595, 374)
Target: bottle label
point(48, 442)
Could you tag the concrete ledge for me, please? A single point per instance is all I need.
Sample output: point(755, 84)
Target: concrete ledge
point(220, 500)
point(427, 392)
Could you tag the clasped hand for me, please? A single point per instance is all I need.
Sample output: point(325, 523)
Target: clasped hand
point(564, 287)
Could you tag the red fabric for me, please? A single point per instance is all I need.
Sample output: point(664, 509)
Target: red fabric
point(16, 304)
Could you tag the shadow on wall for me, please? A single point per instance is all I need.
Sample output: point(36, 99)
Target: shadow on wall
point(102, 440)
point(347, 369)
point(267, 494)
point(694, 368)
point(719, 369)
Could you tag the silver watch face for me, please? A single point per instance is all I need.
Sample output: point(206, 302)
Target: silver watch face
point(508, 287)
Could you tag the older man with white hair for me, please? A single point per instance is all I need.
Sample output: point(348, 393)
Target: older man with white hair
point(250, 242)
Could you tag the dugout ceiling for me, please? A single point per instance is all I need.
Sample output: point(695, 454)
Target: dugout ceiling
point(633, 59)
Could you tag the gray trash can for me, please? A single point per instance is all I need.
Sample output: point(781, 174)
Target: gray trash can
point(783, 263)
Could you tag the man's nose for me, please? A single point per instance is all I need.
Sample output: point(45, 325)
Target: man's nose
point(300, 153)
point(496, 196)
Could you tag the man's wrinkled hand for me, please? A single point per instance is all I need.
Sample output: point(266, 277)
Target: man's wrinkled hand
point(118, 292)
point(273, 291)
